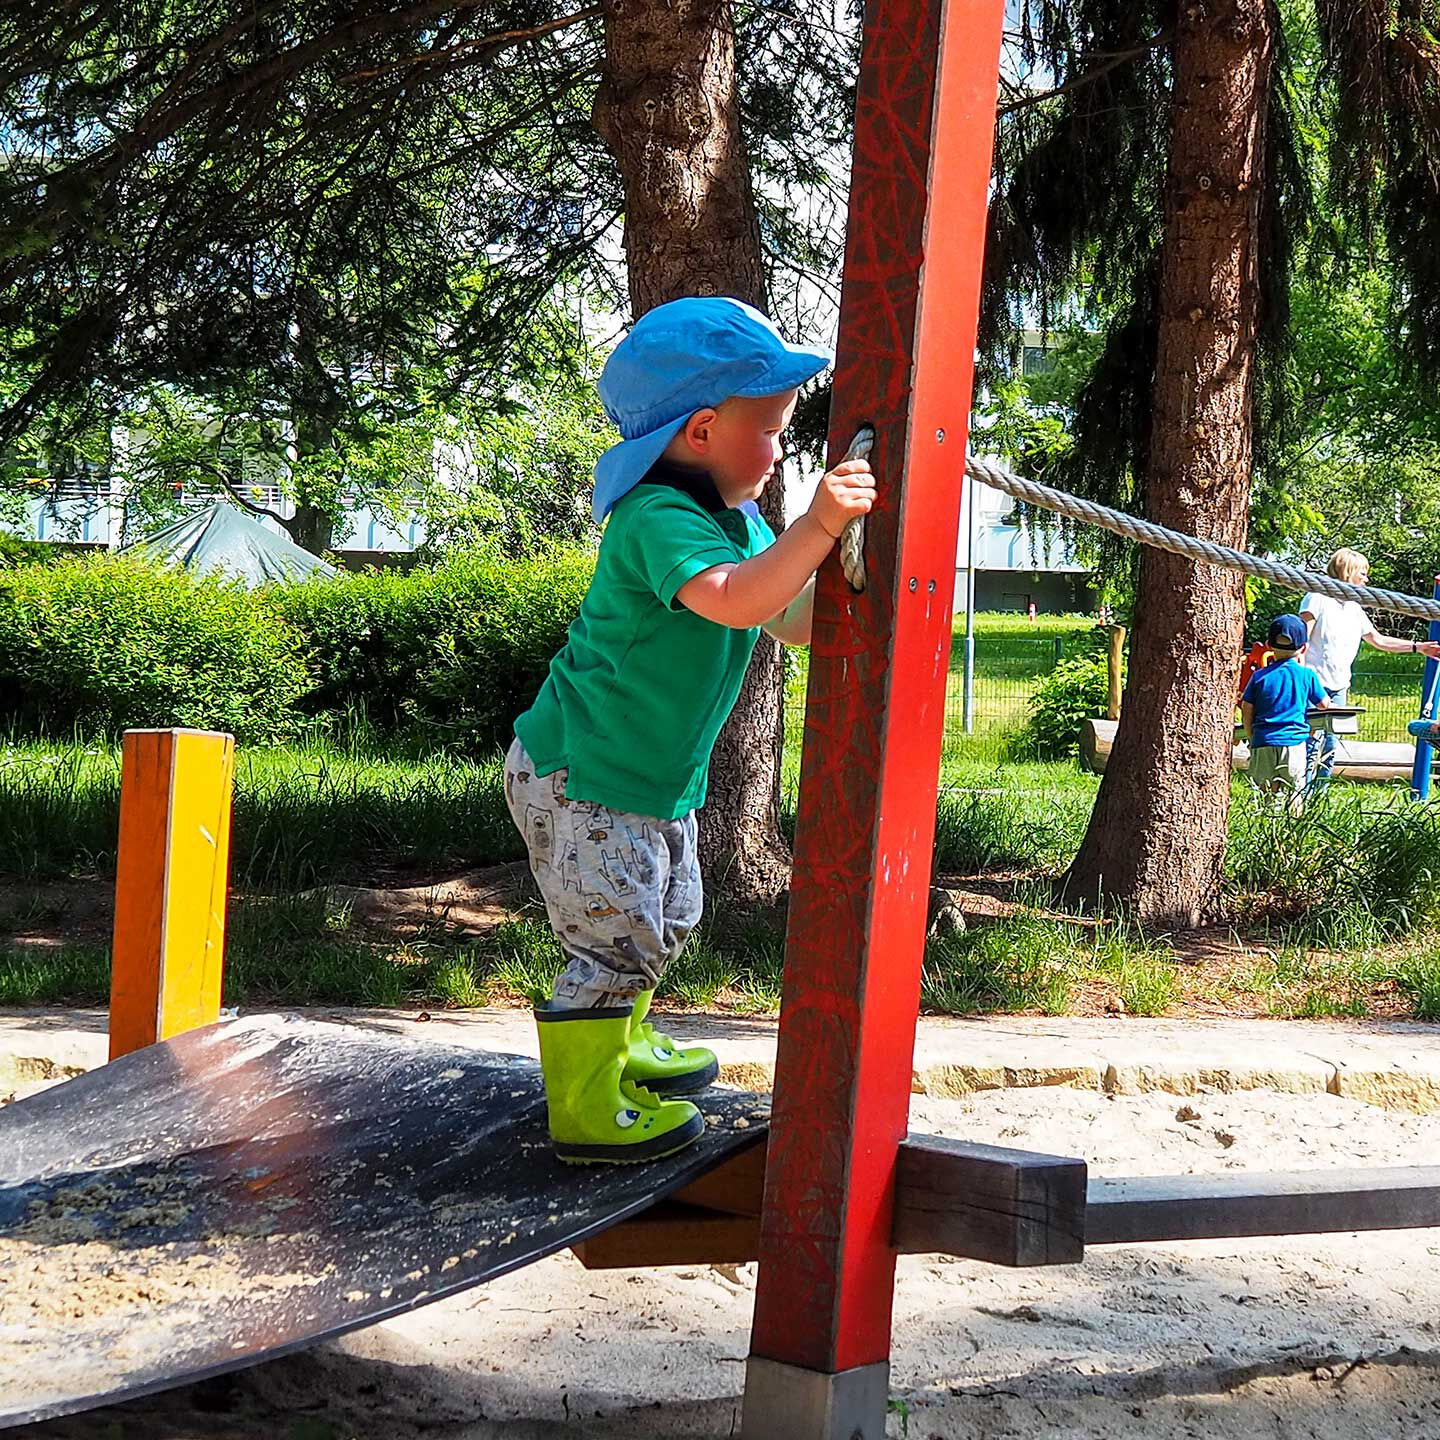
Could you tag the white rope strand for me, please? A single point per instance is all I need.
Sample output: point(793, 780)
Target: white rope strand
point(989, 473)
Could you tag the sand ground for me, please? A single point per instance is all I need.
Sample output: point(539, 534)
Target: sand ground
point(1333, 1336)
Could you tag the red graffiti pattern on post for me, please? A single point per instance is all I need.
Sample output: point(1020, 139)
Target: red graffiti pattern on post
point(879, 663)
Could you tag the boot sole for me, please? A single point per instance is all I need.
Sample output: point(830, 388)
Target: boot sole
point(685, 1084)
point(656, 1149)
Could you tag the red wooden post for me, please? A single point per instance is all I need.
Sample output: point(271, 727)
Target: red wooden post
point(819, 1366)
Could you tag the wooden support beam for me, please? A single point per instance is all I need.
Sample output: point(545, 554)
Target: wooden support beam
point(735, 1188)
point(1020, 1208)
point(171, 876)
point(1114, 665)
point(1010, 1207)
point(714, 1220)
point(673, 1234)
point(1223, 1207)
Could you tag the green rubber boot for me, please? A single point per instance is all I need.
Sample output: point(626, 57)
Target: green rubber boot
point(595, 1116)
point(658, 1063)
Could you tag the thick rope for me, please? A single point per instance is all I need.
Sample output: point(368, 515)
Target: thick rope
point(989, 473)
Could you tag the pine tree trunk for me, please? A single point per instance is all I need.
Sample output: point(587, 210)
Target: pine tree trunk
point(669, 112)
point(1156, 839)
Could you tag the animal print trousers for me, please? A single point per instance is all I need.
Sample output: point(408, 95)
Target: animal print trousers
point(622, 891)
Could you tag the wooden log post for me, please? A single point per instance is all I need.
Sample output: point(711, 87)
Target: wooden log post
point(1116, 660)
point(875, 715)
point(171, 877)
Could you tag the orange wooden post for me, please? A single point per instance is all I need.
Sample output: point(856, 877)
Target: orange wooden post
point(171, 879)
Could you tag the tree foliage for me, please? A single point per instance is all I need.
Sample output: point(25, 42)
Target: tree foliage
point(1353, 150)
point(325, 223)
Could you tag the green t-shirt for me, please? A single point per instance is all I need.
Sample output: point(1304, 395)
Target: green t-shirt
point(634, 701)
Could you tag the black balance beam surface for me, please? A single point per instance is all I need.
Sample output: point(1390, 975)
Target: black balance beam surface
point(248, 1189)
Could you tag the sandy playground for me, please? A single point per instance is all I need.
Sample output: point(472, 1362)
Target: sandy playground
point(1311, 1337)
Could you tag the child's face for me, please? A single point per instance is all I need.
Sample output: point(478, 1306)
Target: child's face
point(738, 442)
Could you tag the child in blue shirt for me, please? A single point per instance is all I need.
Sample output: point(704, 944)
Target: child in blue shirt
point(1273, 710)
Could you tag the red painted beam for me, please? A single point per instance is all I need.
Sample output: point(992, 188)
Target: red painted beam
point(876, 705)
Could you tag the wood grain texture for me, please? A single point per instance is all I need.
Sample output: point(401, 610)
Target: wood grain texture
point(1308, 1202)
point(1010, 1207)
point(171, 881)
point(673, 1234)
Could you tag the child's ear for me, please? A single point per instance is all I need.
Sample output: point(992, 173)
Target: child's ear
point(699, 430)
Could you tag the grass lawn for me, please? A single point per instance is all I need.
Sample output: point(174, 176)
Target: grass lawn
point(1334, 914)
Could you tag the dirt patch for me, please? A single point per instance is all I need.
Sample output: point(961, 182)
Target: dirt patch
point(45, 914)
point(48, 914)
point(468, 904)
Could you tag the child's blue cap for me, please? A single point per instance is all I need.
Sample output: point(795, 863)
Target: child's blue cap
point(682, 357)
point(1287, 632)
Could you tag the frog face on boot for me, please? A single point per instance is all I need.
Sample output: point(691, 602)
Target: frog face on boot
point(657, 1064)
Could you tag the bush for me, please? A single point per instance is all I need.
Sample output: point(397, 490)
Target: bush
point(100, 643)
point(1075, 691)
point(365, 634)
point(106, 642)
point(464, 646)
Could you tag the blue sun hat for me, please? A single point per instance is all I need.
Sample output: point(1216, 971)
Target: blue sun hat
point(682, 357)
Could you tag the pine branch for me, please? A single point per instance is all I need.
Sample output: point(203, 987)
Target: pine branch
point(488, 44)
point(1113, 62)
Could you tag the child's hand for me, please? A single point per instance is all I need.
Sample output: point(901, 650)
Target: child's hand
point(845, 492)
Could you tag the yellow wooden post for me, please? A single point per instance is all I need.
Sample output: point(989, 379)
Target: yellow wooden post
point(1116, 659)
point(171, 878)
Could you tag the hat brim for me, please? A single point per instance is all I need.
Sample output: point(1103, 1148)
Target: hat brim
point(790, 372)
point(622, 467)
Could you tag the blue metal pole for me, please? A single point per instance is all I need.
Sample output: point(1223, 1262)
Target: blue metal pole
point(1420, 775)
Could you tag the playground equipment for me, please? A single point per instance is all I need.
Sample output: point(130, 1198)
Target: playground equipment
point(1354, 759)
point(839, 1190)
point(1424, 739)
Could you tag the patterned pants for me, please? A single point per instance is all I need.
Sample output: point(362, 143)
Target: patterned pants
point(622, 891)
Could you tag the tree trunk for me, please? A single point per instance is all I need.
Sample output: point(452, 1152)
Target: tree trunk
point(669, 112)
point(1156, 839)
point(312, 528)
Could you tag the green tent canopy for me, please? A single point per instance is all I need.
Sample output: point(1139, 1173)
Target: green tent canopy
point(222, 539)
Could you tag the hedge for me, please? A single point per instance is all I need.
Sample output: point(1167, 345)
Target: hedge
point(462, 647)
point(98, 643)
point(101, 643)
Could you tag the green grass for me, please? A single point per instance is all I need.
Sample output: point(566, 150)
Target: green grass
point(1035, 962)
point(1418, 977)
point(65, 975)
point(305, 950)
point(302, 817)
point(1023, 816)
point(1355, 870)
point(1346, 894)
point(1300, 983)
